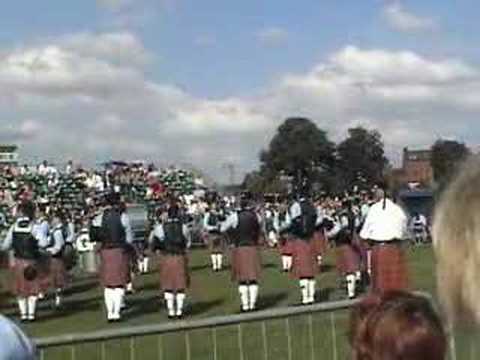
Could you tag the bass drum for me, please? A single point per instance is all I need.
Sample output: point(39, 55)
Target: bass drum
point(90, 262)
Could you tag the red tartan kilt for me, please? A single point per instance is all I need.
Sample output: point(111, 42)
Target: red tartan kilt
point(44, 279)
point(319, 243)
point(348, 260)
point(215, 243)
point(304, 260)
point(21, 286)
point(173, 272)
point(389, 269)
point(57, 274)
point(246, 264)
point(286, 245)
point(114, 268)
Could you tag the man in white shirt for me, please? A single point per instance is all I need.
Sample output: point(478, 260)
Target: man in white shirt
point(384, 228)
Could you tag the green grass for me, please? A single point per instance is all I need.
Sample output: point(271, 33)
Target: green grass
point(212, 294)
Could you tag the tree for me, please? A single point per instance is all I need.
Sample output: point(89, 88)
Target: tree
point(446, 156)
point(361, 158)
point(299, 149)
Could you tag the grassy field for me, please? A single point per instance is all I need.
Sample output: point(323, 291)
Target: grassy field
point(210, 294)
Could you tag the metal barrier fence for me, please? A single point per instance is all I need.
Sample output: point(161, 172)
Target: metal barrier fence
point(308, 332)
point(311, 332)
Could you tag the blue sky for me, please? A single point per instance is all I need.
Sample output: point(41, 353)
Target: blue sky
point(206, 59)
point(211, 47)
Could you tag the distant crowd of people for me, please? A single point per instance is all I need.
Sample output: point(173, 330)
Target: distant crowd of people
point(367, 231)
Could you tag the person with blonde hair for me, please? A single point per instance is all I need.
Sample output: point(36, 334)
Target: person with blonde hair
point(456, 239)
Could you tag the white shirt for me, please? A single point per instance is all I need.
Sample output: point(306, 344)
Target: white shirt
point(385, 224)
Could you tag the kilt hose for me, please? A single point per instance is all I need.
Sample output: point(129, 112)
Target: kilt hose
point(114, 268)
point(21, 286)
point(173, 272)
point(304, 260)
point(347, 259)
point(319, 243)
point(246, 264)
point(389, 268)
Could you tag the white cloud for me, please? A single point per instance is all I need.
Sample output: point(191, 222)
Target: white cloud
point(66, 100)
point(401, 19)
point(118, 47)
point(272, 36)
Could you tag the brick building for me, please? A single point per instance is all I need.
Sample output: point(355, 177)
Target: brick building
point(416, 169)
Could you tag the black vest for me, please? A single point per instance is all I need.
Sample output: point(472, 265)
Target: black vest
point(24, 244)
point(346, 235)
point(247, 231)
point(303, 227)
point(175, 241)
point(213, 220)
point(112, 232)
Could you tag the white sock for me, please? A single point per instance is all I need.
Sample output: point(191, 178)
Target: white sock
point(284, 263)
point(219, 261)
point(351, 285)
point(170, 300)
point(253, 294)
point(23, 307)
point(146, 260)
point(108, 295)
point(130, 287)
point(311, 291)
point(304, 290)
point(319, 260)
point(214, 261)
point(243, 290)
point(118, 301)
point(58, 297)
point(358, 275)
point(32, 307)
point(121, 294)
point(180, 301)
point(289, 262)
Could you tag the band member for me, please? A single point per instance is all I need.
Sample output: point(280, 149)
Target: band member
point(41, 231)
point(56, 270)
point(319, 241)
point(143, 260)
point(112, 230)
point(170, 238)
point(243, 227)
point(347, 253)
point(385, 227)
point(282, 226)
point(303, 217)
point(270, 231)
point(418, 226)
point(69, 234)
point(215, 238)
point(21, 239)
